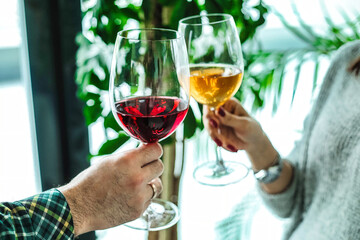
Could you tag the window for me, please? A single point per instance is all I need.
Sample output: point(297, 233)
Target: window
point(19, 176)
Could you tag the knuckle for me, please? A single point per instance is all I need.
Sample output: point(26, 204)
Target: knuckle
point(126, 159)
point(158, 149)
point(227, 118)
point(159, 165)
point(136, 180)
point(152, 151)
point(244, 127)
point(234, 102)
point(248, 124)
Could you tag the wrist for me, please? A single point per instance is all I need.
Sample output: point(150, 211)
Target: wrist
point(270, 174)
point(282, 183)
point(74, 202)
point(263, 157)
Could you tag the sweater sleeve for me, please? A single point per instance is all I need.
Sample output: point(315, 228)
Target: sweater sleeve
point(43, 216)
point(282, 204)
point(285, 203)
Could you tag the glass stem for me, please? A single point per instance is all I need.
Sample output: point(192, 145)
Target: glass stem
point(149, 213)
point(148, 220)
point(220, 168)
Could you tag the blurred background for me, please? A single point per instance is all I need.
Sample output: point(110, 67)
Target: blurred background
point(55, 119)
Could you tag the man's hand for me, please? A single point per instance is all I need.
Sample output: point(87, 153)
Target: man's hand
point(115, 190)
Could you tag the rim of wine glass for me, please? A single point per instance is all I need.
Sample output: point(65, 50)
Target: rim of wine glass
point(178, 35)
point(227, 18)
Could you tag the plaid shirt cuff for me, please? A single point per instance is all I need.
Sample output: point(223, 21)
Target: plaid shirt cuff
point(44, 216)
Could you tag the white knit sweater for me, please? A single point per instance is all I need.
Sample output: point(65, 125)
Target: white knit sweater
point(323, 200)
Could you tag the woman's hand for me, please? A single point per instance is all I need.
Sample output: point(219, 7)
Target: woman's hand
point(231, 127)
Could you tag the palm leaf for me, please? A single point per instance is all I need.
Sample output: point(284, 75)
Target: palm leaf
point(297, 77)
point(316, 73)
point(292, 29)
point(351, 24)
point(280, 74)
point(302, 23)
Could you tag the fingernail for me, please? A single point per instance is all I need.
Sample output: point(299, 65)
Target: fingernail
point(221, 112)
point(218, 142)
point(231, 148)
point(213, 123)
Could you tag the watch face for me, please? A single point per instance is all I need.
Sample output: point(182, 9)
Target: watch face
point(271, 174)
point(261, 174)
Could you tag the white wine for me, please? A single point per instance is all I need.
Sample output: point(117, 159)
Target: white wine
point(214, 84)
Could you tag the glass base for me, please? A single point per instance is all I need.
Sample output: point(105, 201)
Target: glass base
point(159, 215)
point(211, 174)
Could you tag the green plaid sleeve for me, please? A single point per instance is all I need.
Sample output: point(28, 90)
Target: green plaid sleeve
point(43, 216)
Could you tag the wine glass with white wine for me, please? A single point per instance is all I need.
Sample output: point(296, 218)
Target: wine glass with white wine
point(216, 73)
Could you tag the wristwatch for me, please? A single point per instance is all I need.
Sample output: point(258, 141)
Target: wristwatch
point(272, 173)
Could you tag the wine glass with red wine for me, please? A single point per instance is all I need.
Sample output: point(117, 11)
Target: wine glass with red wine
point(149, 97)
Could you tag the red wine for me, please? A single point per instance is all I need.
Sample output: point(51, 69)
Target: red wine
point(151, 119)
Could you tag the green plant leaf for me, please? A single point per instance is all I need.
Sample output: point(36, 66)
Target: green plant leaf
point(130, 12)
point(168, 140)
point(96, 81)
point(112, 145)
point(166, 2)
point(92, 113)
point(258, 101)
point(91, 96)
point(146, 8)
point(190, 124)
point(199, 122)
point(93, 108)
point(212, 6)
point(183, 9)
point(110, 122)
